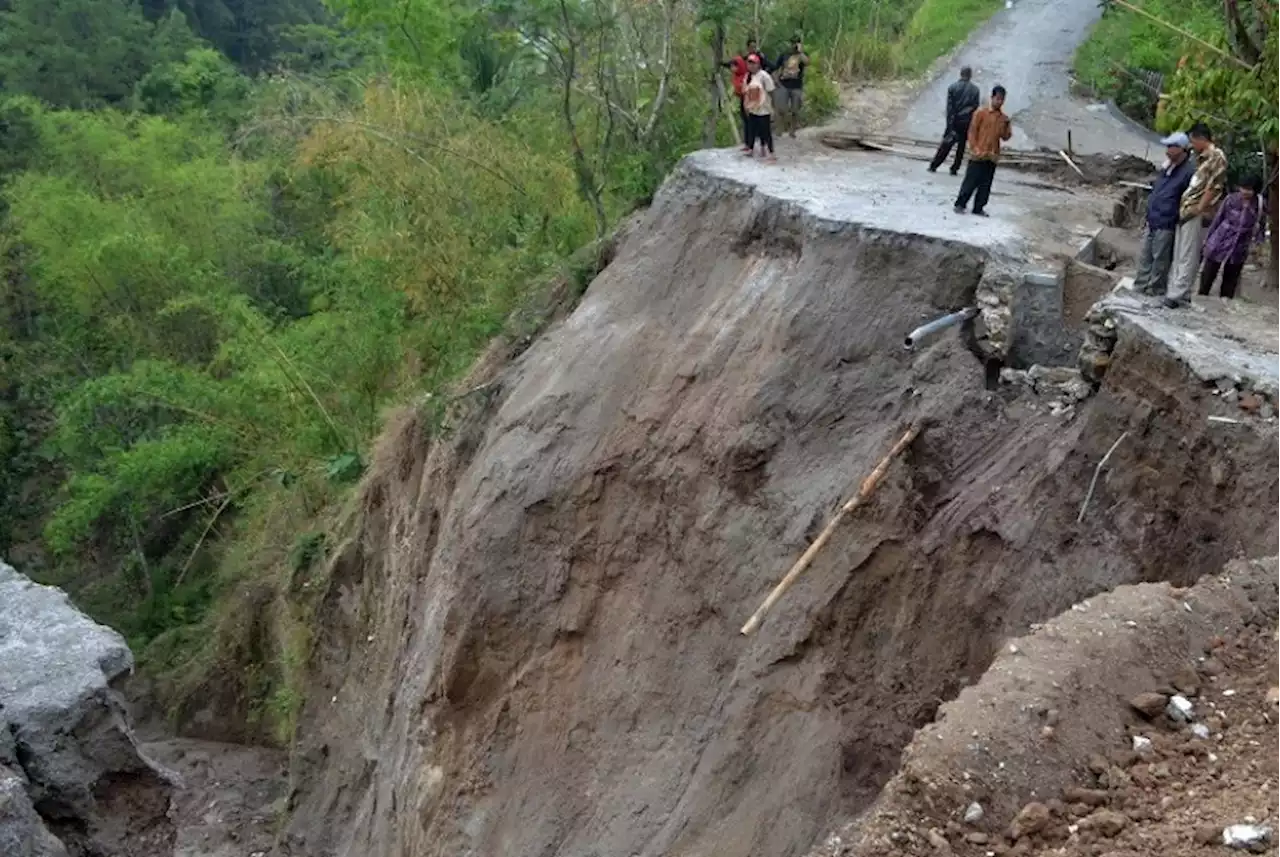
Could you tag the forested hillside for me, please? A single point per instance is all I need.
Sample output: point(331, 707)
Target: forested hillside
point(233, 233)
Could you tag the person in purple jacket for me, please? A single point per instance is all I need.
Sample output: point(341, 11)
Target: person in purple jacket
point(1237, 223)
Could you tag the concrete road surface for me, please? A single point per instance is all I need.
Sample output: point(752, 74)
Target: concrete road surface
point(1029, 48)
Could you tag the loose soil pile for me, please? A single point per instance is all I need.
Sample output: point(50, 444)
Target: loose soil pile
point(1054, 751)
point(1178, 795)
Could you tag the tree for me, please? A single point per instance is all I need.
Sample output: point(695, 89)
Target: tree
point(1235, 89)
point(74, 53)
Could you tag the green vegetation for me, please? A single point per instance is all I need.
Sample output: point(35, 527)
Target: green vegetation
point(940, 25)
point(1124, 45)
point(1221, 70)
point(232, 234)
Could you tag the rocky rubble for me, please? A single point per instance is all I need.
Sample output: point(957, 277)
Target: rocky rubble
point(1063, 386)
point(72, 780)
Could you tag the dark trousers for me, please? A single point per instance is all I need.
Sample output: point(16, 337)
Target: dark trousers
point(977, 184)
point(1230, 277)
point(760, 130)
point(957, 135)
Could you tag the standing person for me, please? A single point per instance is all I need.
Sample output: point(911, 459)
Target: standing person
point(1198, 205)
point(790, 72)
point(989, 127)
point(1238, 223)
point(759, 108)
point(963, 99)
point(738, 68)
point(1162, 216)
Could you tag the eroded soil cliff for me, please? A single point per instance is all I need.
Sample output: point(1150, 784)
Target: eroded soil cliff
point(529, 645)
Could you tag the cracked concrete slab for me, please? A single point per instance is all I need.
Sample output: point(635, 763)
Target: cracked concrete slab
point(1031, 220)
point(1215, 338)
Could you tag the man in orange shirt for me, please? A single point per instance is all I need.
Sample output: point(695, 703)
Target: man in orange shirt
point(989, 127)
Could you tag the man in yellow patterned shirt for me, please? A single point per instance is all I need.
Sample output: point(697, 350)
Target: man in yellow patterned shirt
point(1196, 211)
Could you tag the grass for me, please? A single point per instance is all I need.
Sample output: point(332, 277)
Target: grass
point(937, 27)
point(1123, 43)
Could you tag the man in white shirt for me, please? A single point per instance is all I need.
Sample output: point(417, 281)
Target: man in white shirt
point(759, 104)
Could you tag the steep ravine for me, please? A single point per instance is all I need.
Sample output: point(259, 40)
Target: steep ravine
point(529, 645)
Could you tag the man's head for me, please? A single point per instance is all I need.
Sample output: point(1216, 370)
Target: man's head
point(997, 97)
point(1251, 187)
point(1201, 136)
point(1176, 147)
point(751, 46)
point(796, 44)
point(966, 73)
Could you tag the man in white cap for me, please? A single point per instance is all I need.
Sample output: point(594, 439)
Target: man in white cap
point(1162, 216)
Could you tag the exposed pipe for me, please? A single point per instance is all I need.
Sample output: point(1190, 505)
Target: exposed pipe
point(924, 331)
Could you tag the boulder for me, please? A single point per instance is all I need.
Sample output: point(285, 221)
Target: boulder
point(68, 745)
point(22, 830)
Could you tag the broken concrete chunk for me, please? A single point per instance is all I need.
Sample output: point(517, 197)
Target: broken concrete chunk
point(1248, 837)
point(1149, 704)
point(1179, 709)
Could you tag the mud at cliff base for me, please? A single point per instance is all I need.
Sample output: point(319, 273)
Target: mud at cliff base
point(529, 643)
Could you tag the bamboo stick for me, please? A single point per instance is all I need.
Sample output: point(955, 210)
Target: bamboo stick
point(864, 491)
point(1071, 163)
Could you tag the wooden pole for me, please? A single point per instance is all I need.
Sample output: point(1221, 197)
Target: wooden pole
point(864, 491)
point(1070, 149)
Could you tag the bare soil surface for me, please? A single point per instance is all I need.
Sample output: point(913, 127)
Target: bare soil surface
point(1065, 748)
point(229, 800)
point(1179, 796)
point(530, 644)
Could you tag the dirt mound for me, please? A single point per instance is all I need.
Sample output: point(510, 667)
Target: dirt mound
point(530, 643)
point(1096, 169)
point(1064, 746)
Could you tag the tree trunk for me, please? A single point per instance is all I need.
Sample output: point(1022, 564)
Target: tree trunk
point(715, 87)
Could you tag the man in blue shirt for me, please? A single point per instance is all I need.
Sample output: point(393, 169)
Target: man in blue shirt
point(1162, 216)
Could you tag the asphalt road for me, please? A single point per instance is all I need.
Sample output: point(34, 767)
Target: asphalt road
point(1028, 49)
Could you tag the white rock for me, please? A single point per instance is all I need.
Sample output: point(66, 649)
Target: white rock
point(1141, 744)
point(973, 813)
point(1179, 709)
point(1200, 731)
point(1253, 837)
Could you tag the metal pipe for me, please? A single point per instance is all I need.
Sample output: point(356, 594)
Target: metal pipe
point(924, 331)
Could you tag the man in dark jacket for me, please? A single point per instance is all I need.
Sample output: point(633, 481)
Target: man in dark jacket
point(789, 72)
point(962, 100)
point(1162, 216)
